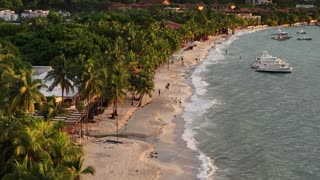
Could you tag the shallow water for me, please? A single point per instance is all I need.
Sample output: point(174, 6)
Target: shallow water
point(252, 125)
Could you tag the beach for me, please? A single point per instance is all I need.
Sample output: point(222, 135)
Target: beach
point(149, 144)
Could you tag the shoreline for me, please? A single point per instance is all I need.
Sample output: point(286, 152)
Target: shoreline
point(153, 147)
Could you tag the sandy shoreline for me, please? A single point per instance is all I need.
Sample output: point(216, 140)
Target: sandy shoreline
point(151, 147)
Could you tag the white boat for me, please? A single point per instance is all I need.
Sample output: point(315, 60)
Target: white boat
point(281, 37)
point(276, 68)
point(302, 32)
point(266, 58)
point(280, 32)
point(304, 38)
point(268, 63)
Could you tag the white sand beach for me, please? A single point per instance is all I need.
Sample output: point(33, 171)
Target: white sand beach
point(151, 145)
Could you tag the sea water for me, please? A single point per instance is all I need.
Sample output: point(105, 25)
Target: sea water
point(252, 125)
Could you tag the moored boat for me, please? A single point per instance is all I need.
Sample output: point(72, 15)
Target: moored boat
point(281, 37)
point(269, 63)
point(302, 32)
point(304, 38)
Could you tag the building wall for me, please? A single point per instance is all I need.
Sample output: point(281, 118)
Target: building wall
point(258, 2)
point(8, 15)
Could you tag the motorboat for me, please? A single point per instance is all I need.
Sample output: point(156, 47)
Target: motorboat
point(266, 58)
point(304, 38)
point(280, 37)
point(269, 63)
point(280, 32)
point(276, 68)
point(302, 32)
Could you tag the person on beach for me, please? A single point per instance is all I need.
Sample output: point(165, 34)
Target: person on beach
point(167, 86)
point(182, 61)
point(159, 92)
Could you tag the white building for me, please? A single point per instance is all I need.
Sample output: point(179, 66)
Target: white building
point(40, 72)
point(305, 6)
point(34, 14)
point(258, 2)
point(8, 15)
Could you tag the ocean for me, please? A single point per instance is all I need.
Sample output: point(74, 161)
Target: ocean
point(252, 125)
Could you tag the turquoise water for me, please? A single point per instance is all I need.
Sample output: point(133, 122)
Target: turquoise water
point(252, 125)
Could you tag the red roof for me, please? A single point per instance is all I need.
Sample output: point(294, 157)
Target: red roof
point(173, 25)
point(151, 1)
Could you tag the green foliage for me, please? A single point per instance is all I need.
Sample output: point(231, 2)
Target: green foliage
point(34, 149)
point(7, 29)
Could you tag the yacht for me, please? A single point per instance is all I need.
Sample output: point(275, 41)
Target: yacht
point(276, 68)
point(302, 32)
point(268, 63)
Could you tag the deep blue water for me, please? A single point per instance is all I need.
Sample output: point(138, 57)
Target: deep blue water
point(252, 125)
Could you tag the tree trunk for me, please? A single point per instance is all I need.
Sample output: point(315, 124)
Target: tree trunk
point(116, 107)
point(88, 111)
point(132, 102)
point(113, 116)
point(62, 95)
point(141, 97)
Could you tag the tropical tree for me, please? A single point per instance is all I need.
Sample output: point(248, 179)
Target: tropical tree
point(31, 148)
point(92, 82)
point(118, 79)
point(144, 84)
point(62, 74)
point(25, 91)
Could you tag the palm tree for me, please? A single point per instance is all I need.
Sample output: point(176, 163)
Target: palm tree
point(91, 83)
point(38, 150)
point(118, 79)
point(145, 84)
point(62, 74)
point(77, 169)
point(25, 91)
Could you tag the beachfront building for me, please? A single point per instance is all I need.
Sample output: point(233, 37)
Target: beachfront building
point(8, 15)
point(73, 117)
point(34, 14)
point(172, 9)
point(305, 6)
point(40, 72)
point(249, 16)
point(258, 2)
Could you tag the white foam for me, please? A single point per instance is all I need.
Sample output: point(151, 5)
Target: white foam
point(200, 105)
point(207, 168)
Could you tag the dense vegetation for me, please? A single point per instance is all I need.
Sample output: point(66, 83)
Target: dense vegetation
point(33, 149)
point(107, 55)
point(98, 5)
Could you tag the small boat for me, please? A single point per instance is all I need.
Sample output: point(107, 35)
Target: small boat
point(281, 37)
point(301, 32)
point(280, 32)
point(304, 38)
point(269, 63)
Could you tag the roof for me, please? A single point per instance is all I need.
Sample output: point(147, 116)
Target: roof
point(152, 1)
point(173, 25)
point(40, 72)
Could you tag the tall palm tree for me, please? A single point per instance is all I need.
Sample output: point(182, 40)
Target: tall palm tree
point(25, 91)
point(7, 77)
point(92, 82)
point(144, 84)
point(62, 74)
